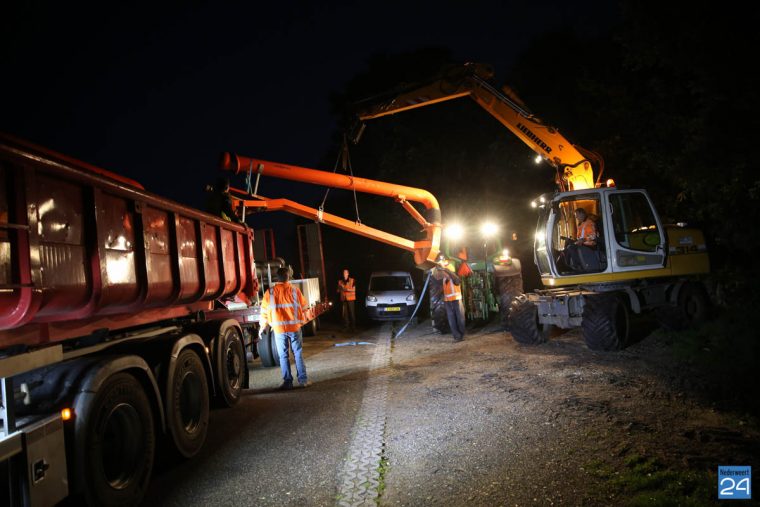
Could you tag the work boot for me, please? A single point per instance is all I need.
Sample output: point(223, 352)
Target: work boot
point(285, 386)
point(305, 384)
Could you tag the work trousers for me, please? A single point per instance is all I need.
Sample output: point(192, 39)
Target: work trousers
point(456, 318)
point(295, 339)
point(349, 317)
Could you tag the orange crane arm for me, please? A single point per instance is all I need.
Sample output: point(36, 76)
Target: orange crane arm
point(472, 80)
point(425, 250)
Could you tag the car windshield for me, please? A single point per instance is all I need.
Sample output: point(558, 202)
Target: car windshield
point(384, 283)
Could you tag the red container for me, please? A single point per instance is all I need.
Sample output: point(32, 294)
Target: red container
point(82, 249)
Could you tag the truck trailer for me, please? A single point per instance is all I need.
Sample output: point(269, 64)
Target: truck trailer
point(117, 327)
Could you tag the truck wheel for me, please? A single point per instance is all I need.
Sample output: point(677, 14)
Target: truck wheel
point(508, 287)
point(310, 328)
point(115, 440)
point(275, 354)
point(524, 325)
point(187, 409)
point(266, 350)
point(230, 364)
point(606, 322)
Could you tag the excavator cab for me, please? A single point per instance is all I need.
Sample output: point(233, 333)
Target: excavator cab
point(629, 235)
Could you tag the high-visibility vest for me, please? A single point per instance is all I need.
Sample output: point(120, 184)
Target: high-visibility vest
point(283, 308)
point(451, 292)
point(587, 233)
point(347, 290)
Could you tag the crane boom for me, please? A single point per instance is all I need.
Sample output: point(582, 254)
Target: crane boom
point(472, 80)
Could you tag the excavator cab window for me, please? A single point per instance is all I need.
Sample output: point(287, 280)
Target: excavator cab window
point(634, 222)
point(572, 254)
point(639, 241)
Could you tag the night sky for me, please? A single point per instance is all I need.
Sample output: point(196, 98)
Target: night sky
point(157, 93)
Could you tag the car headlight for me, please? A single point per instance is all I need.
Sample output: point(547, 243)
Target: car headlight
point(410, 297)
point(371, 299)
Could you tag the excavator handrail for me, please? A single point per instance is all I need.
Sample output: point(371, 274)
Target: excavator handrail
point(424, 250)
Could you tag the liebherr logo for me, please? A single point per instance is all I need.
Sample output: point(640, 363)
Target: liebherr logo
point(533, 137)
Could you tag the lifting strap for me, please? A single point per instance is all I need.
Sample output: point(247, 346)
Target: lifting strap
point(345, 160)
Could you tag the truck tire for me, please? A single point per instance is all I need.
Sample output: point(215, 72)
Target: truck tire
point(187, 408)
point(524, 325)
point(267, 351)
point(310, 328)
point(230, 367)
point(115, 441)
point(508, 288)
point(606, 322)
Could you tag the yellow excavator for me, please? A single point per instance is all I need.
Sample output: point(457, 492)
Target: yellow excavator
point(634, 262)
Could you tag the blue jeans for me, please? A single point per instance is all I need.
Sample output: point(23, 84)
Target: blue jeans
point(296, 341)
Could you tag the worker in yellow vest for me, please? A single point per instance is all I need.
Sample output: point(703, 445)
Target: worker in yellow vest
point(452, 296)
point(347, 290)
point(283, 308)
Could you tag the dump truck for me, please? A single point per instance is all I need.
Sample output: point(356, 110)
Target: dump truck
point(123, 315)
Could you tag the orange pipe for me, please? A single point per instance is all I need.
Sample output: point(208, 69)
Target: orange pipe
point(239, 164)
point(425, 250)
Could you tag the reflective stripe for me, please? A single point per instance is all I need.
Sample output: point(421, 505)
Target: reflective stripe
point(295, 305)
point(456, 291)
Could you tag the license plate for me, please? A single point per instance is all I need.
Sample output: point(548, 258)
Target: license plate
point(393, 309)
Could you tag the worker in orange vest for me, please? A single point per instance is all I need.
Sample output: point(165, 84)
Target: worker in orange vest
point(283, 308)
point(347, 290)
point(452, 296)
point(587, 236)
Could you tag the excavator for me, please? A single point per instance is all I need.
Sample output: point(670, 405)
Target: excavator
point(637, 263)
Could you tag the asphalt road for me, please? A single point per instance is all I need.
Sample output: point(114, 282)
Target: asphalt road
point(483, 422)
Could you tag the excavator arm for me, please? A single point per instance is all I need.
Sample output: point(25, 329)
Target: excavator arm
point(425, 250)
point(573, 163)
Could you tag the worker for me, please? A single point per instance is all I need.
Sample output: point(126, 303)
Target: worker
point(283, 309)
point(220, 201)
point(452, 296)
point(347, 290)
point(587, 236)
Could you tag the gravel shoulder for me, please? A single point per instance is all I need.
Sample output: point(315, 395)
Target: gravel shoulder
point(557, 424)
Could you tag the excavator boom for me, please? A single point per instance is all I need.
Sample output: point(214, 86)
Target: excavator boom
point(424, 250)
point(472, 80)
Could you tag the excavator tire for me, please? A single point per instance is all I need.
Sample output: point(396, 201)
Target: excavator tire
point(508, 288)
point(524, 325)
point(691, 310)
point(606, 322)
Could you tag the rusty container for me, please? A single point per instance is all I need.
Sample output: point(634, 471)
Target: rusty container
point(83, 250)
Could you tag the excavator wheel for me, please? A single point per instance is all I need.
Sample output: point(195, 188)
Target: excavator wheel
point(692, 308)
point(524, 325)
point(508, 288)
point(606, 322)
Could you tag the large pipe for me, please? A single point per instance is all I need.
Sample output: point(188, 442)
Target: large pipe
point(424, 251)
point(240, 164)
